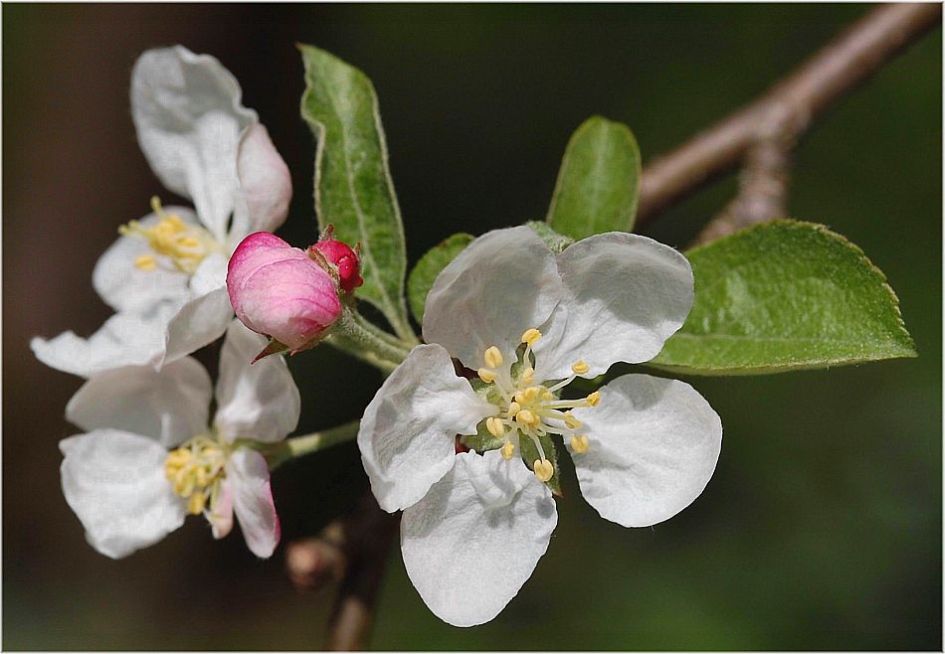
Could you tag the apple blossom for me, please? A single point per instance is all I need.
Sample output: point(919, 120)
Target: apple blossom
point(525, 323)
point(149, 458)
point(166, 273)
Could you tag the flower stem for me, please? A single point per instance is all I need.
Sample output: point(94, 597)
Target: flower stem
point(358, 337)
point(298, 446)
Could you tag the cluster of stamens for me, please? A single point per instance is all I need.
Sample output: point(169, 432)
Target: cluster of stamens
point(184, 245)
point(196, 471)
point(531, 410)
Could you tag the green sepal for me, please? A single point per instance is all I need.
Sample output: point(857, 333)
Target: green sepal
point(556, 242)
point(429, 266)
point(482, 440)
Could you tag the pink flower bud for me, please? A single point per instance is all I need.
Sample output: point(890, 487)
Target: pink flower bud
point(345, 260)
point(279, 291)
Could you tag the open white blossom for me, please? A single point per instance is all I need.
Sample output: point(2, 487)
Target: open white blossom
point(150, 457)
point(528, 323)
point(166, 273)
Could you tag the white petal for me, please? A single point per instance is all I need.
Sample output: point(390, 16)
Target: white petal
point(125, 287)
point(653, 444)
point(505, 282)
point(114, 481)
point(476, 537)
point(255, 400)
point(187, 112)
point(265, 186)
point(124, 340)
point(169, 406)
point(252, 501)
point(210, 274)
point(199, 322)
point(626, 295)
point(407, 434)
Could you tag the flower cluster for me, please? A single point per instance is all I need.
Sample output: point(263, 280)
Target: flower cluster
point(151, 456)
point(464, 436)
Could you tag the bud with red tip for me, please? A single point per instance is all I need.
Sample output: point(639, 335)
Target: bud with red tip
point(290, 295)
point(346, 261)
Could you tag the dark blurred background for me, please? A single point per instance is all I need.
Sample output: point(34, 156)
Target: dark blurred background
point(822, 525)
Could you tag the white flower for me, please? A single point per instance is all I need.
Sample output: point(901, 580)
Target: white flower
point(529, 323)
point(166, 274)
point(149, 457)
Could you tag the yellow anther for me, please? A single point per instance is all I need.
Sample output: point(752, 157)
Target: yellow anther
point(579, 444)
point(527, 418)
point(593, 399)
point(486, 375)
point(531, 336)
point(571, 421)
point(528, 377)
point(546, 395)
point(519, 396)
point(544, 469)
point(531, 393)
point(495, 426)
point(580, 367)
point(184, 244)
point(514, 408)
point(493, 357)
point(508, 450)
point(145, 262)
point(196, 503)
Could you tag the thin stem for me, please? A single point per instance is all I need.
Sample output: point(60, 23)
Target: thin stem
point(356, 336)
point(298, 446)
point(839, 67)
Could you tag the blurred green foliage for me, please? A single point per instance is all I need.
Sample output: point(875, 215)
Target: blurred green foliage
point(821, 528)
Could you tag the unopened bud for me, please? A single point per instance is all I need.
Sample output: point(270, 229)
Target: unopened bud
point(345, 260)
point(277, 290)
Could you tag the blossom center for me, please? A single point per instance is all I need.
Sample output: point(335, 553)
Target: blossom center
point(531, 410)
point(196, 471)
point(181, 243)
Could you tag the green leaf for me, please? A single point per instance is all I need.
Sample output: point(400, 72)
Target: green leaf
point(599, 181)
point(424, 273)
point(530, 454)
point(353, 187)
point(784, 296)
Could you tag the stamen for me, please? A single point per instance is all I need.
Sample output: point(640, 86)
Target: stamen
point(528, 376)
point(580, 367)
point(495, 426)
point(508, 450)
point(527, 418)
point(493, 357)
point(579, 443)
point(145, 262)
point(195, 471)
point(531, 336)
point(514, 408)
point(593, 399)
point(486, 375)
point(571, 421)
point(184, 244)
point(543, 469)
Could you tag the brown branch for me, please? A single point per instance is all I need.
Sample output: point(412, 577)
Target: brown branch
point(840, 66)
point(763, 183)
point(352, 550)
